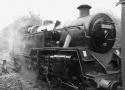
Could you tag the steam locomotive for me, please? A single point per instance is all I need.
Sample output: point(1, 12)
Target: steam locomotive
point(80, 56)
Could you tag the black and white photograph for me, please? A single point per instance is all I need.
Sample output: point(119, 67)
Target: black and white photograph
point(62, 45)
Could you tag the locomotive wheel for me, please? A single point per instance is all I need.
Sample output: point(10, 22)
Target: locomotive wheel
point(102, 32)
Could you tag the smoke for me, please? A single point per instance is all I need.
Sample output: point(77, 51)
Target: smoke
point(19, 25)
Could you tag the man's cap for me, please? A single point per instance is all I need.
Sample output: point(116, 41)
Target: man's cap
point(84, 6)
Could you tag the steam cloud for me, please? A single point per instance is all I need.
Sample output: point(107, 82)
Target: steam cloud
point(19, 25)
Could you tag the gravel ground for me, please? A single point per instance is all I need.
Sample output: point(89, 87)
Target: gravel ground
point(4, 55)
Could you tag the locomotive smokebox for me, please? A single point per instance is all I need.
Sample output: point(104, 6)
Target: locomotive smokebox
point(98, 32)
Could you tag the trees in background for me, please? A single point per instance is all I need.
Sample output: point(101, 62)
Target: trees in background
point(20, 24)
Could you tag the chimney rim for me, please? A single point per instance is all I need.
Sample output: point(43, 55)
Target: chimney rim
point(84, 6)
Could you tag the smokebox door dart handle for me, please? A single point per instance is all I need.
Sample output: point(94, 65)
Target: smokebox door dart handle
point(120, 2)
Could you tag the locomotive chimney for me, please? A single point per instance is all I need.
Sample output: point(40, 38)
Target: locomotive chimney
point(84, 10)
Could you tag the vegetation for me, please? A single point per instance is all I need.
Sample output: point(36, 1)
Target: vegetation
point(20, 24)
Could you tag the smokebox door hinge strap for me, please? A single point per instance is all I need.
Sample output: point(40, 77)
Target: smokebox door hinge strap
point(122, 57)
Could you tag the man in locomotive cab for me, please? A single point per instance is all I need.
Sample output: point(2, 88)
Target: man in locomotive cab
point(84, 10)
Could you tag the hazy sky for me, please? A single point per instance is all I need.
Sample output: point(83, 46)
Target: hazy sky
point(62, 10)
